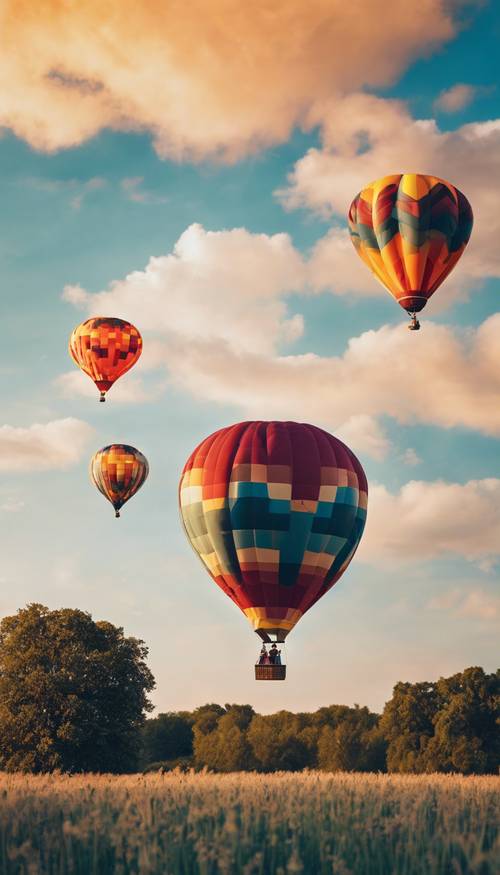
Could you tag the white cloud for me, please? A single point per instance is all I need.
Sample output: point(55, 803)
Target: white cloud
point(334, 266)
point(455, 98)
point(219, 285)
point(215, 314)
point(473, 604)
point(129, 390)
point(74, 294)
point(429, 520)
point(179, 71)
point(366, 137)
point(446, 378)
point(364, 435)
point(53, 445)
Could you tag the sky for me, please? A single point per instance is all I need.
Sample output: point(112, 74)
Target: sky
point(190, 169)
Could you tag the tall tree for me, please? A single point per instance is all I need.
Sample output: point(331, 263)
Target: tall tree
point(73, 692)
point(408, 726)
point(467, 725)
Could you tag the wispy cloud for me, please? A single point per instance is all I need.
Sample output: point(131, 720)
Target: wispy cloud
point(475, 604)
point(94, 184)
point(132, 186)
point(78, 189)
point(460, 96)
point(132, 390)
point(53, 445)
point(410, 457)
point(455, 98)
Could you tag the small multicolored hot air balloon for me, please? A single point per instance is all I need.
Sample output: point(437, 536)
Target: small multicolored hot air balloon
point(105, 348)
point(410, 229)
point(275, 511)
point(118, 471)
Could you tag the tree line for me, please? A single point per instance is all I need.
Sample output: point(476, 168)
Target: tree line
point(452, 725)
point(74, 696)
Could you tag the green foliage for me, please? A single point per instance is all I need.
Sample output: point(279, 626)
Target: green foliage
point(408, 725)
point(448, 726)
point(72, 692)
point(73, 697)
point(166, 737)
point(352, 744)
point(467, 725)
point(205, 824)
point(224, 748)
point(278, 743)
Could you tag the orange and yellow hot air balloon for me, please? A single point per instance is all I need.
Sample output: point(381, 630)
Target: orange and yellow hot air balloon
point(118, 471)
point(105, 348)
point(410, 229)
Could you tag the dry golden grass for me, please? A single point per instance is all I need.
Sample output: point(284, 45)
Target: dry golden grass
point(204, 824)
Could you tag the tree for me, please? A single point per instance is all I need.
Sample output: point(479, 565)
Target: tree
point(73, 692)
point(167, 737)
point(225, 747)
point(352, 743)
point(466, 731)
point(448, 726)
point(408, 726)
point(277, 744)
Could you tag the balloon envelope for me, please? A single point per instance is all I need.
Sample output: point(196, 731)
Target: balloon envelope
point(275, 511)
point(105, 348)
point(118, 471)
point(410, 229)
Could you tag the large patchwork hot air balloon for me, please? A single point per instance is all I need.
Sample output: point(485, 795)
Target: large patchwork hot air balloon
point(105, 348)
point(410, 229)
point(275, 511)
point(118, 471)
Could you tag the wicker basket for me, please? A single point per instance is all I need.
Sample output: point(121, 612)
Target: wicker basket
point(270, 672)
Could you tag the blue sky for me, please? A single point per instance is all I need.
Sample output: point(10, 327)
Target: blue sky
point(421, 599)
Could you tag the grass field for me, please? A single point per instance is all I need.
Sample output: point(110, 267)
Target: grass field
point(204, 824)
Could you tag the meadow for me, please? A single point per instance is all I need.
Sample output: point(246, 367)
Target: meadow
point(254, 824)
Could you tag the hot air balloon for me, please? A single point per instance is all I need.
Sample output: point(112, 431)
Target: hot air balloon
point(275, 511)
point(410, 229)
point(105, 348)
point(118, 471)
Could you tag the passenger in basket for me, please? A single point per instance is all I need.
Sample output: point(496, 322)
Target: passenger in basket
point(263, 656)
point(273, 653)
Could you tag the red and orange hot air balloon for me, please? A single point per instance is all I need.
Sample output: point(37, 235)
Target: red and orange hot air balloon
point(118, 471)
point(410, 229)
point(275, 511)
point(105, 348)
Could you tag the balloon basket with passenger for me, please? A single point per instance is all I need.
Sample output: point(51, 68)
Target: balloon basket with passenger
point(271, 662)
point(275, 511)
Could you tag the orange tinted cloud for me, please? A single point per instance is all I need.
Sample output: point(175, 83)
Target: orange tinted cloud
point(220, 78)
